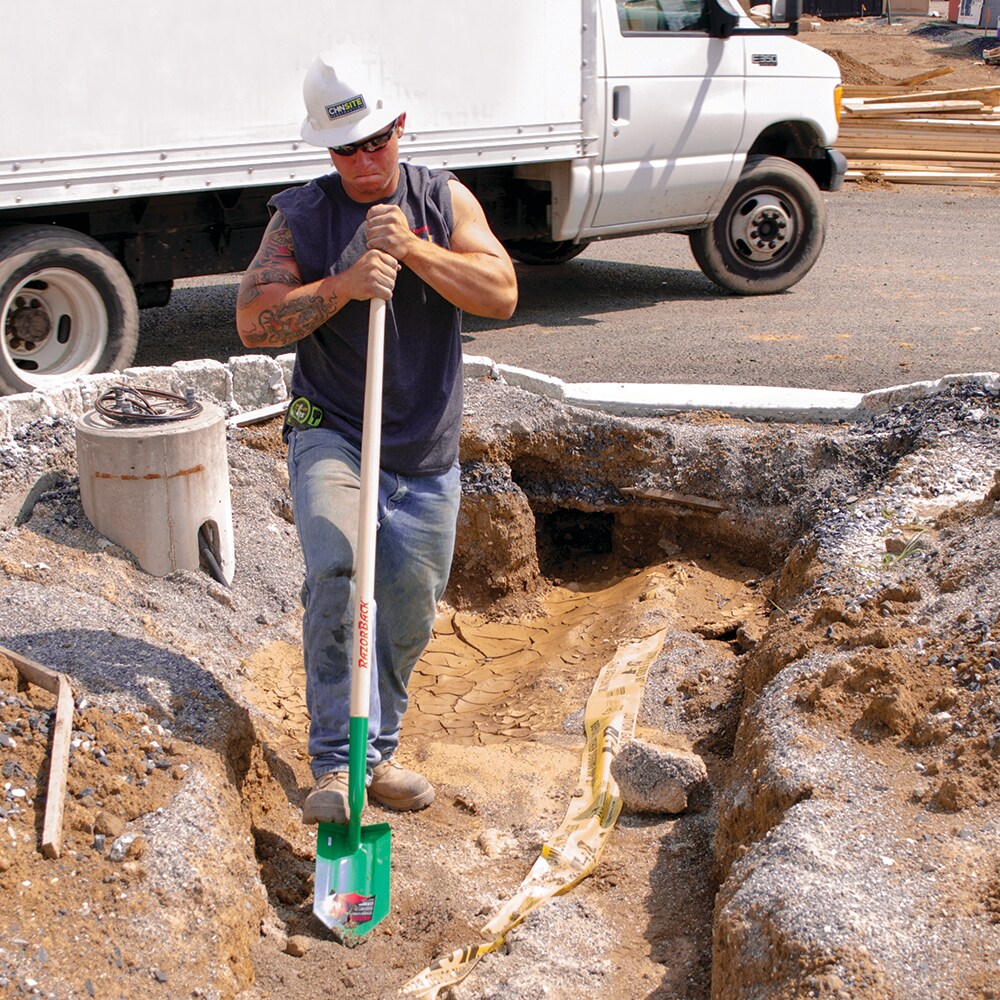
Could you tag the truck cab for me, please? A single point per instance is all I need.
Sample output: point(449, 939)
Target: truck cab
point(710, 125)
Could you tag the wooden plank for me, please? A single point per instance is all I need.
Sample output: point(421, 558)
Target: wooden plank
point(260, 416)
point(988, 95)
point(929, 136)
point(959, 119)
point(52, 830)
point(958, 147)
point(915, 108)
point(921, 166)
point(916, 132)
point(685, 499)
point(928, 133)
point(973, 128)
point(925, 177)
point(57, 684)
point(915, 171)
point(915, 154)
point(32, 671)
point(912, 81)
point(872, 90)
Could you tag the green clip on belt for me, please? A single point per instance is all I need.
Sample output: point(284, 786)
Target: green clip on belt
point(302, 414)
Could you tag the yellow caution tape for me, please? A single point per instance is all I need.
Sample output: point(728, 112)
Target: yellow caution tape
point(573, 850)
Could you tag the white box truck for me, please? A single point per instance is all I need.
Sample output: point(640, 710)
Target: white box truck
point(141, 141)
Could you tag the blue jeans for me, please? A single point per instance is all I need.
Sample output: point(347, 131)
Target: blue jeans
point(414, 545)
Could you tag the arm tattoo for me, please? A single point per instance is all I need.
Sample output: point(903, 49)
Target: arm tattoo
point(277, 248)
point(291, 321)
point(250, 289)
point(283, 324)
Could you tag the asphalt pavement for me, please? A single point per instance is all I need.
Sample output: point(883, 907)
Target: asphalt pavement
point(906, 289)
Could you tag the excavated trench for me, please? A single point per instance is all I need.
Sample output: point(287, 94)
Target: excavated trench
point(572, 540)
point(578, 534)
point(515, 685)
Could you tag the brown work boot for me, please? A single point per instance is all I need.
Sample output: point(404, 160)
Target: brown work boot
point(328, 802)
point(397, 788)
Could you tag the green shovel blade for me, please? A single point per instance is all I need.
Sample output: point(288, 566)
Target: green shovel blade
point(352, 886)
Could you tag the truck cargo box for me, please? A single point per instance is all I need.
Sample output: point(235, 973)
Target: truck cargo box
point(191, 95)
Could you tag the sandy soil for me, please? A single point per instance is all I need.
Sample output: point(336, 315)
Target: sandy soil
point(870, 51)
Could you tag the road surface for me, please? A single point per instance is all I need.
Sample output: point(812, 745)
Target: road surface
point(907, 288)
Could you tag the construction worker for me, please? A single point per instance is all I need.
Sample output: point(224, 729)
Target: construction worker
point(418, 238)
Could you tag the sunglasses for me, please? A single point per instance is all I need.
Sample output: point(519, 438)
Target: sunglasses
point(371, 145)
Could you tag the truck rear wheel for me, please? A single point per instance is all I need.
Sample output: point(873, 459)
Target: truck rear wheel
point(769, 233)
point(67, 308)
point(544, 251)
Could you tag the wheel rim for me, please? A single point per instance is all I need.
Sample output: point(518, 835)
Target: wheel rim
point(763, 227)
point(54, 323)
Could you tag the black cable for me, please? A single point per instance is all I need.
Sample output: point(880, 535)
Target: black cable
point(128, 404)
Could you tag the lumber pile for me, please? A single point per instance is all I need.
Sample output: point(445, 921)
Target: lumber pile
point(908, 135)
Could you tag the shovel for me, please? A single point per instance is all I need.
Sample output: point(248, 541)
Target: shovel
point(352, 861)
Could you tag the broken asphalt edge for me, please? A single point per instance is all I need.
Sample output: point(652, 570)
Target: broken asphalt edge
point(257, 384)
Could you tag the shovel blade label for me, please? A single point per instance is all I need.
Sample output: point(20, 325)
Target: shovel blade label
point(349, 908)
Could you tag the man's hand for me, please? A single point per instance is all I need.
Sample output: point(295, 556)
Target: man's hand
point(274, 308)
point(388, 230)
point(373, 276)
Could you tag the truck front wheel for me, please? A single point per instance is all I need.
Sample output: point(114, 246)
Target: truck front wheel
point(769, 233)
point(67, 308)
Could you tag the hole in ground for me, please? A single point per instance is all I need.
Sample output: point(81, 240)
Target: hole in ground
point(566, 534)
point(496, 722)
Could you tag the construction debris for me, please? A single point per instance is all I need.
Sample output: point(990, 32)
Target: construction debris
point(57, 684)
point(923, 137)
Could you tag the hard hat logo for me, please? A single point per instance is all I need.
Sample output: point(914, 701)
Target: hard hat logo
point(342, 111)
point(341, 108)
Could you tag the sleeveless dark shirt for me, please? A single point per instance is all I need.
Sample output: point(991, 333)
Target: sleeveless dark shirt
point(422, 389)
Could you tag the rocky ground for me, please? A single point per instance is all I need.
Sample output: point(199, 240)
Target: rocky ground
point(830, 638)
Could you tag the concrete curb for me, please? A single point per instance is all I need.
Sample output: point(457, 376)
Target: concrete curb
point(254, 382)
point(758, 402)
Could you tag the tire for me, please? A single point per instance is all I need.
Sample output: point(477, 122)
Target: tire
point(544, 251)
point(769, 233)
point(67, 308)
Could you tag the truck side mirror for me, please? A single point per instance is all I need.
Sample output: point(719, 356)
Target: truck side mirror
point(720, 20)
point(786, 11)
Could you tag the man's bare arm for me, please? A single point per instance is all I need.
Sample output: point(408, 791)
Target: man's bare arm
point(274, 308)
point(475, 274)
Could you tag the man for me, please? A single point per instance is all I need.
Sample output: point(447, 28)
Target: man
point(376, 228)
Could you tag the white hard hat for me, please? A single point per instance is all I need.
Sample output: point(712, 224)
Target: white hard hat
point(337, 112)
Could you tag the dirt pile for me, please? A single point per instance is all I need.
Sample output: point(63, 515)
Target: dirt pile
point(855, 73)
point(871, 51)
